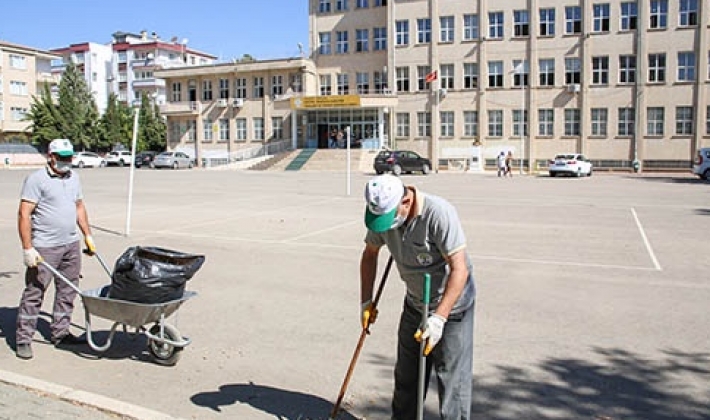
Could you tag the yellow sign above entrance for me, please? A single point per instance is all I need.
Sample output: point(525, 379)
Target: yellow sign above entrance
point(339, 101)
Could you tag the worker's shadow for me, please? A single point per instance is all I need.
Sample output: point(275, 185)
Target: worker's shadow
point(283, 404)
point(8, 325)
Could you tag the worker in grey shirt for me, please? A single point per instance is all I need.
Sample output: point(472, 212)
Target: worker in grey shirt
point(51, 208)
point(424, 235)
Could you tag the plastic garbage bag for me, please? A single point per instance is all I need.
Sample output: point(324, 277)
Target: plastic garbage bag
point(152, 275)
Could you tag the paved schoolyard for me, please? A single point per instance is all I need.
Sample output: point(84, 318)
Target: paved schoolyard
point(593, 294)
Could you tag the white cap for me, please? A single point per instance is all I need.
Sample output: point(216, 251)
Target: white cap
point(61, 147)
point(383, 194)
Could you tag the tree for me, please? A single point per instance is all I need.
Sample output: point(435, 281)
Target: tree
point(116, 125)
point(152, 131)
point(44, 119)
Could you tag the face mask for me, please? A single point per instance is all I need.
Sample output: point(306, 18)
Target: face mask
point(62, 167)
point(398, 221)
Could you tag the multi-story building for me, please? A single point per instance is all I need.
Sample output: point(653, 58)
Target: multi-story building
point(23, 71)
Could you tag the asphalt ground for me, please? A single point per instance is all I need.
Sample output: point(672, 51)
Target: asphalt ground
point(592, 295)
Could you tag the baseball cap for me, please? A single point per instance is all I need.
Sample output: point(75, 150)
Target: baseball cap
point(61, 147)
point(383, 194)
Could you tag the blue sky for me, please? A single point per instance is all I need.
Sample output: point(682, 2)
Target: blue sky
point(224, 28)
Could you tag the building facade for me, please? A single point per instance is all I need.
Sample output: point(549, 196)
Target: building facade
point(23, 71)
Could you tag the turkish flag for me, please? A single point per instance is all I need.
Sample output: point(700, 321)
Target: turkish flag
point(432, 76)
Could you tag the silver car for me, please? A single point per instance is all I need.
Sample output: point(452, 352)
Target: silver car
point(172, 160)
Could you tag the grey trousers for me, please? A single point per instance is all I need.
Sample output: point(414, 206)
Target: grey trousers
point(452, 360)
point(67, 260)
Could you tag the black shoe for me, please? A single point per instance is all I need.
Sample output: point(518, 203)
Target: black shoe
point(24, 351)
point(68, 340)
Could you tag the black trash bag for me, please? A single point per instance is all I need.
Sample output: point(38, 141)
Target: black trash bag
point(152, 275)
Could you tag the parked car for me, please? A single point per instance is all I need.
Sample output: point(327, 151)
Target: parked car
point(87, 159)
point(173, 160)
point(574, 164)
point(120, 158)
point(145, 159)
point(398, 161)
point(701, 166)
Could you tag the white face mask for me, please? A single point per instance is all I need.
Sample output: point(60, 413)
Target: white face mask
point(398, 221)
point(62, 167)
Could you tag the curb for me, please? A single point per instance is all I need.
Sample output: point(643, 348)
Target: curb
point(80, 397)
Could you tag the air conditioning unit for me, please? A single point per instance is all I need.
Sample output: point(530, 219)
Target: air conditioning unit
point(573, 88)
point(238, 103)
point(222, 103)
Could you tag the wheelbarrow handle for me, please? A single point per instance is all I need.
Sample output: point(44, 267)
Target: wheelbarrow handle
point(60, 276)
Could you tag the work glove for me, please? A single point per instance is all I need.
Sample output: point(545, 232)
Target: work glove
point(31, 257)
point(369, 314)
point(431, 331)
point(90, 246)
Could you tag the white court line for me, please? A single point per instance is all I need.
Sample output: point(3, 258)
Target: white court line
point(318, 232)
point(645, 241)
point(564, 263)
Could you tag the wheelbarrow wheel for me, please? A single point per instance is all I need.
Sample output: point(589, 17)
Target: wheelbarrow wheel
point(165, 354)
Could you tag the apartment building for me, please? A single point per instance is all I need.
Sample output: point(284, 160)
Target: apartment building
point(616, 80)
point(23, 71)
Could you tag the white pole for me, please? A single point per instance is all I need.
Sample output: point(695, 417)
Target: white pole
point(522, 124)
point(132, 169)
point(347, 141)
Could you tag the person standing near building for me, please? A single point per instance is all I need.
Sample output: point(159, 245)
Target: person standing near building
point(500, 163)
point(51, 208)
point(509, 164)
point(424, 235)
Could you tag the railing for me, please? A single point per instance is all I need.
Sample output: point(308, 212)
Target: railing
point(268, 149)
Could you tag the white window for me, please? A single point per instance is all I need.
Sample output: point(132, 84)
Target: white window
point(341, 42)
point(655, 121)
point(495, 25)
point(341, 5)
point(547, 72)
point(258, 128)
point(686, 66)
point(17, 113)
point(207, 128)
point(240, 87)
point(325, 85)
point(629, 16)
point(18, 88)
point(191, 130)
point(424, 124)
point(402, 74)
point(572, 118)
point(573, 20)
point(18, 62)
point(495, 74)
point(241, 127)
point(379, 80)
point(206, 90)
point(446, 33)
point(402, 124)
point(517, 122)
point(659, 14)
point(422, 72)
point(470, 75)
point(470, 27)
point(688, 12)
point(600, 21)
point(447, 123)
point(626, 122)
point(423, 31)
point(343, 84)
point(324, 43)
point(573, 71)
point(600, 70)
point(324, 6)
point(657, 67)
point(447, 76)
point(277, 85)
point(362, 40)
point(546, 122)
point(361, 4)
point(277, 128)
point(258, 87)
point(547, 22)
point(521, 71)
point(402, 32)
point(627, 69)
point(470, 123)
point(224, 88)
point(521, 23)
point(495, 123)
point(362, 82)
point(684, 120)
point(296, 82)
point(599, 121)
point(379, 38)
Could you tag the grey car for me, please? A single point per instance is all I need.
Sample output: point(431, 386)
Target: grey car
point(172, 160)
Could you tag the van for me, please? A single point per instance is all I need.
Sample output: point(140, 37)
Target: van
point(701, 165)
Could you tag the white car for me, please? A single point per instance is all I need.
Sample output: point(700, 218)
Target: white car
point(120, 158)
point(87, 159)
point(701, 166)
point(574, 164)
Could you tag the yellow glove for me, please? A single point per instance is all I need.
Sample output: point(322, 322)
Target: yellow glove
point(90, 246)
point(369, 314)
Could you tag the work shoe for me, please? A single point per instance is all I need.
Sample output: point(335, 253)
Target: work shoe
point(24, 351)
point(68, 339)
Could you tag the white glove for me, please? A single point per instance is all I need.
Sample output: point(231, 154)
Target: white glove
point(368, 314)
point(31, 257)
point(90, 246)
point(431, 331)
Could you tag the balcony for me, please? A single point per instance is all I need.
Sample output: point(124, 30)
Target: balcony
point(181, 108)
point(148, 83)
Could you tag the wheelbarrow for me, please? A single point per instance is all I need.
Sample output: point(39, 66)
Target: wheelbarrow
point(164, 340)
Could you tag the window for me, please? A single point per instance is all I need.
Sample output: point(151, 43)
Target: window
point(191, 130)
point(341, 42)
point(176, 92)
point(324, 43)
point(423, 124)
point(277, 128)
point(362, 82)
point(297, 82)
point(402, 124)
point(470, 27)
point(447, 76)
point(546, 122)
point(521, 70)
point(343, 84)
point(626, 122)
point(547, 72)
point(206, 90)
point(627, 69)
point(402, 32)
point(572, 71)
point(258, 128)
point(380, 3)
point(573, 20)
point(684, 120)
point(18, 61)
point(240, 88)
point(380, 38)
point(659, 14)
point(599, 121)
point(207, 127)
point(629, 16)
point(600, 21)
point(707, 118)
point(447, 123)
point(241, 128)
point(224, 129)
point(325, 86)
point(341, 5)
point(572, 122)
point(655, 121)
point(686, 66)
point(495, 123)
point(224, 88)
point(361, 4)
point(470, 75)
point(495, 25)
point(657, 67)
point(470, 123)
point(17, 113)
point(402, 79)
point(547, 22)
point(324, 6)
point(277, 85)
point(423, 31)
point(521, 23)
point(379, 79)
point(600, 70)
point(446, 33)
point(422, 71)
point(361, 40)
point(258, 87)
point(516, 122)
point(688, 12)
point(495, 74)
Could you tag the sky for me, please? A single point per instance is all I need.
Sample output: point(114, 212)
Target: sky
point(227, 29)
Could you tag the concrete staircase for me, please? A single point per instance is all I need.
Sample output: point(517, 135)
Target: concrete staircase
point(334, 160)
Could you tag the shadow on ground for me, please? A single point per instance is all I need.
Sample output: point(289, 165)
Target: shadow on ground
point(670, 179)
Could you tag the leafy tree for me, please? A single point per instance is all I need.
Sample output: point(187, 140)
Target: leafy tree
point(77, 110)
point(44, 119)
point(152, 131)
point(116, 125)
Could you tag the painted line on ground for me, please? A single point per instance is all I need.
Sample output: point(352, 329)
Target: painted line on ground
point(318, 232)
point(562, 263)
point(646, 241)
